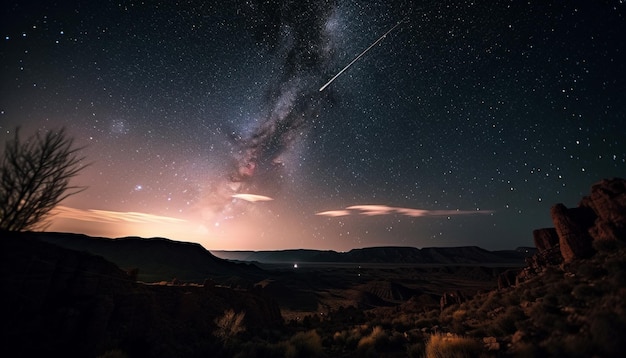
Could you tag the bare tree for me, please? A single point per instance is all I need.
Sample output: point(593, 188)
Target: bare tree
point(35, 177)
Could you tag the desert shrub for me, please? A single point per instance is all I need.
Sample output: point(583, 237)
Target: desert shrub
point(229, 325)
point(448, 311)
point(525, 293)
point(402, 322)
point(529, 350)
point(589, 270)
point(256, 348)
point(549, 302)
point(510, 298)
point(459, 315)
point(551, 276)
point(490, 303)
point(377, 340)
point(416, 350)
point(116, 353)
point(607, 332)
point(507, 322)
point(456, 320)
point(452, 346)
point(576, 346)
point(547, 317)
point(348, 339)
point(428, 319)
point(305, 344)
point(426, 322)
point(616, 266)
point(474, 303)
point(396, 341)
point(618, 278)
point(608, 246)
point(556, 346)
point(584, 291)
point(536, 291)
point(340, 337)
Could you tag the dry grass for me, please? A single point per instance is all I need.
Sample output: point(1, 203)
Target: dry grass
point(452, 346)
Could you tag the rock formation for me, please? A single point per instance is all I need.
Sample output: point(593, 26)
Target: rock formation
point(451, 298)
point(599, 216)
point(572, 228)
point(545, 238)
point(608, 201)
point(508, 278)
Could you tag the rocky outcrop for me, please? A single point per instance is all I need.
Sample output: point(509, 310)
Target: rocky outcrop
point(608, 201)
point(508, 278)
point(545, 239)
point(572, 228)
point(451, 298)
point(599, 216)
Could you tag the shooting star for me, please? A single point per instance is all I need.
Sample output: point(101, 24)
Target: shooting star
point(359, 56)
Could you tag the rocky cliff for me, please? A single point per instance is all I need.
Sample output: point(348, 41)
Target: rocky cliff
point(598, 219)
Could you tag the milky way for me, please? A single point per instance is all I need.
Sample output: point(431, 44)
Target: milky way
point(204, 121)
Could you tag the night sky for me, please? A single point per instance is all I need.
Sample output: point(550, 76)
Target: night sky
point(204, 121)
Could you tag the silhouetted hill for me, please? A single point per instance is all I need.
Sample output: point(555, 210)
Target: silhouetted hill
point(157, 259)
point(386, 254)
point(58, 302)
point(277, 256)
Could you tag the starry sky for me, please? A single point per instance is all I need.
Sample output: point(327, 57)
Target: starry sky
point(204, 121)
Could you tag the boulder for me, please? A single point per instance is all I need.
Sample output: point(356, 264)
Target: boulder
point(508, 278)
point(545, 238)
point(451, 298)
point(604, 230)
point(608, 201)
point(572, 227)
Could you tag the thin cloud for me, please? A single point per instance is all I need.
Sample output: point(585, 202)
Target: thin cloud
point(372, 210)
point(105, 216)
point(253, 198)
point(334, 213)
point(376, 210)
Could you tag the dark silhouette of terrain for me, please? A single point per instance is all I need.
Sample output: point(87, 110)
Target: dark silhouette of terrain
point(566, 301)
point(62, 302)
point(389, 254)
point(157, 259)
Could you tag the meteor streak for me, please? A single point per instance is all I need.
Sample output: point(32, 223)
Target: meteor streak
point(359, 56)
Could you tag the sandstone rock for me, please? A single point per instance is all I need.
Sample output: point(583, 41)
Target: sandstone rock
point(508, 278)
point(540, 260)
point(524, 275)
point(572, 228)
point(606, 230)
point(545, 238)
point(608, 200)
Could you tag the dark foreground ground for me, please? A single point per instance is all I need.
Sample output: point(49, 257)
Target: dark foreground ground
point(72, 303)
point(62, 302)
